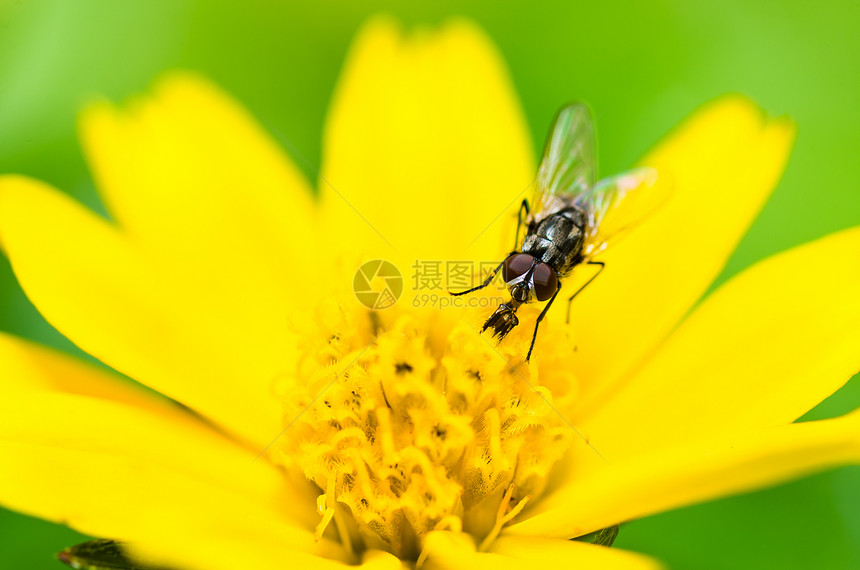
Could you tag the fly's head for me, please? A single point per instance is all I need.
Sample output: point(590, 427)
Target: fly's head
point(528, 278)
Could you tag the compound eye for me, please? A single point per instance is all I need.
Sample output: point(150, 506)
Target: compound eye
point(546, 283)
point(516, 265)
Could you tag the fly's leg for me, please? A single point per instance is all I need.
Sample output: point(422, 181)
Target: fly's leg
point(520, 219)
point(539, 319)
point(602, 537)
point(484, 284)
point(606, 536)
point(587, 283)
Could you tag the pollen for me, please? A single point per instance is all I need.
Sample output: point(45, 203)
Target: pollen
point(409, 424)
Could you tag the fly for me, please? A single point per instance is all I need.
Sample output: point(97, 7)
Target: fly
point(565, 222)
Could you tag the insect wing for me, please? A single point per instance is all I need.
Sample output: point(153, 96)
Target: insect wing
point(568, 167)
point(617, 204)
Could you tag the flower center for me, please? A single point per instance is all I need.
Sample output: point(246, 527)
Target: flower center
point(414, 425)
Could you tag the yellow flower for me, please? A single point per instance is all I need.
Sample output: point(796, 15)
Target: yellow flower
point(315, 435)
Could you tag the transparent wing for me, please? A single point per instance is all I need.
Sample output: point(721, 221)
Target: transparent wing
point(566, 177)
point(617, 204)
point(569, 164)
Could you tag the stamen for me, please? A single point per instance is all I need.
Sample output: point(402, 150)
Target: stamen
point(502, 519)
point(327, 516)
point(325, 504)
point(422, 428)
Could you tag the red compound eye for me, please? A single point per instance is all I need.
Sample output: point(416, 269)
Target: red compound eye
point(546, 283)
point(516, 265)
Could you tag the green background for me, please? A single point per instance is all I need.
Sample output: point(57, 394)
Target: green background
point(642, 66)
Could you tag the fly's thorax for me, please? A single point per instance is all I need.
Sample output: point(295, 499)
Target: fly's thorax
point(558, 239)
point(428, 427)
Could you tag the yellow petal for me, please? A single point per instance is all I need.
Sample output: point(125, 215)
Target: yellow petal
point(721, 164)
point(118, 304)
point(204, 548)
point(202, 545)
point(188, 173)
point(693, 472)
point(198, 185)
point(449, 550)
point(111, 453)
point(28, 367)
point(762, 350)
point(381, 560)
point(530, 551)
point(425, 146)
point(112, 469)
